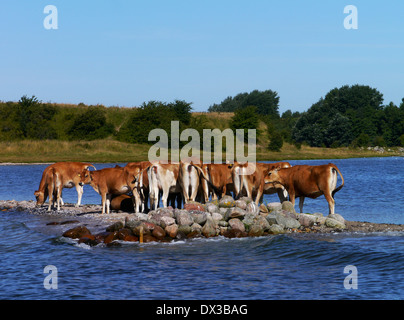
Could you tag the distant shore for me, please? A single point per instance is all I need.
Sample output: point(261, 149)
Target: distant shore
point(112, 151)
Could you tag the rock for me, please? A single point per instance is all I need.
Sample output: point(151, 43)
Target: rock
point(122, 233)
point(158, 232)
point(241, 204)
point(236, 224)
point(111, 237)
point(248, 220)
point(156, 216)
point(256, 231)
point(212, 208)
point(199, 217)
point(335, 224)
point(234, 212)
point(185, 229)
point(100, 237)
point(146, 227)
point(262, 222)
point(276, 229)
point(183, 217)
point(88, 239)
point(307, 220)
point(253, 208)
point(287, 222)
point(196, 227)
point(194, 206)
point(337, 217)
point(226, 202)
point(148, 238)
point(115, 227)
point(77, 232)
point(166, 221)
point(274, 206)
point(216, 216)
point(288, 206)
point(234, 233)
point(271, 218)
point(222, 223)
point(171, 230)
point(209, 229)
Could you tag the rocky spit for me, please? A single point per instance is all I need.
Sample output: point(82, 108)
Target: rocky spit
point(225, 217)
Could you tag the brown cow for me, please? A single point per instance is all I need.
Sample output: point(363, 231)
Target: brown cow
point(219, 174)
point(58, 176)
point(253, 183)
point(308, 181)
point(107, 182)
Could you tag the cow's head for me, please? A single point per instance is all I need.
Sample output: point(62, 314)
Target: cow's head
point(85, 177)
point(40, 197)
point(272, 176)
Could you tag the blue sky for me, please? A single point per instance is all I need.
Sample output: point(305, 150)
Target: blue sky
point(127, 52)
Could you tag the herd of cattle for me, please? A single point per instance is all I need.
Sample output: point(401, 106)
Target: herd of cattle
point(147, 183)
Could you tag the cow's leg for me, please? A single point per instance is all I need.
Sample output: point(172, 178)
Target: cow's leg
point(164, 198)
point(331, 202)
point(108, 202)
point(260, 193)
point(282, 194)
point(103, 201)
point(301, 201)
point(50, 192)
point(79, 190)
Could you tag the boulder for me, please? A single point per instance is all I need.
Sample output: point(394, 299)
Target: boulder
point(274, 206)
point(158, 233)
point(271, 218)
point(256, 230)
point(333, 223)
point(171, 230)
point(184, 229)
point(111, 237)
point(183, 217)
point(89, 239)
point(262, 222)
point(288, 206)
point(76, 233)
point(286, 221)
point(241, 204)
point(199, 217)
point(226, 202)
point(236, 224)
point(234, 233)
point(337, 217)
point(216, 216)
point(276, 229)
point(307, 220)
point(194, 206)
point(212, 208)
point(234, 212)
point(122, 233)
point(209, 229)
point(166, 221)
point(115, 227)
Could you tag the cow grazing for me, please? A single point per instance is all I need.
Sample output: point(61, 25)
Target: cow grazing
point(253, 183)
point(108, 182)
point(58, 176)
point(308, 181)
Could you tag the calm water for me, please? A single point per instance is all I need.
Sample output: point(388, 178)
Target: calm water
point(275, 267)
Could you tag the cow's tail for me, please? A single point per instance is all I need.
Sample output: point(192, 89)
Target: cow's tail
point(216, 189)
point(334, 167)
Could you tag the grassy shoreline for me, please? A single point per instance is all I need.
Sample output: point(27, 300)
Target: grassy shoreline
point(108, 150)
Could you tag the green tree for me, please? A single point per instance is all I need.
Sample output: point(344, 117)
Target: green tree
point(245, 118)
point(90, 125)
point(276, 142)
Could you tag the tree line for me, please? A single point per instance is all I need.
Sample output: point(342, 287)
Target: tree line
point(346, 116)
